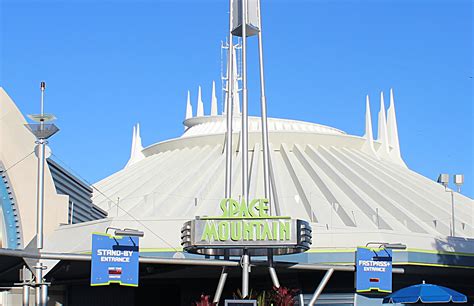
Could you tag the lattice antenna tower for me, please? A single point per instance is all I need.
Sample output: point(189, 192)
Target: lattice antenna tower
point(224, 72)
point(238, 55)
point(225, 68)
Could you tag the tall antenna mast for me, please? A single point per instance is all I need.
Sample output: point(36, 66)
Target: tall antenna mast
point(43, 131)
point(245, 21)
point(230, 98)
point(225, 79)
point(224, 74)
point(245, 114)
point(263, 105)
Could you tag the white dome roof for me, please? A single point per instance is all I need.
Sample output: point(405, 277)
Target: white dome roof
point(352, 189)
point(209, 125)
point(320, 174)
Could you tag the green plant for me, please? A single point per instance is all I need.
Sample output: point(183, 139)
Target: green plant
point(262, 297)
point(238, 295)
point(282, 296)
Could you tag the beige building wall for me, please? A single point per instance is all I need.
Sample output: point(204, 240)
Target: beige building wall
point(17, 143)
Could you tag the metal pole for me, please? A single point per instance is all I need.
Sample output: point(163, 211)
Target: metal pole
point(274, 277)
point(25, 278)
point(187, 262)
point(230, 81)
point(39, 221)
point(245, 274)
point(72, 212)
point(245, 173)
point(40, 206)
point(301, 299)
point(26, 295)
point(39, 279)
point(452, 213)
point(220, 285)
point(272, 271)
point(321, 286)
point(42, 87)
point(44, 294)
point(263, 100)
point(40, 194)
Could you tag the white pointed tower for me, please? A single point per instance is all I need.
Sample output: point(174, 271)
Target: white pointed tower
point(136, 151)
point(200, 104)
point(189, 107)
point(214, 100)
point(134, 140)
point(392, 131)
point(382, 136)
point(368, 146)
point(138, 139)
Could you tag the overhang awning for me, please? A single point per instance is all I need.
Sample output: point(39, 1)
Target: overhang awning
point(9, 270)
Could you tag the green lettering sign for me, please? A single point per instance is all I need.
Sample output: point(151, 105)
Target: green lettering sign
point(242, 222)
point(210, 232)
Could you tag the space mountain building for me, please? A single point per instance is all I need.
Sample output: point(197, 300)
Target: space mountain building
point(353, 190)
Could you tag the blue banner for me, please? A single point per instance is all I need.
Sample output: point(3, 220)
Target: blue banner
point(114, 260)
point(373, 270)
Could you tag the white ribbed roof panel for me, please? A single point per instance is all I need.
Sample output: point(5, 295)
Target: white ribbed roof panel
point(320, 174)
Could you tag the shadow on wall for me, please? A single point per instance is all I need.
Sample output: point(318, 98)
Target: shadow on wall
point(461, 249)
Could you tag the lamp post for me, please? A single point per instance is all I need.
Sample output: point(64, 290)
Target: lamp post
point(443, 179)
point(130, 232)
point(458, 181)
point(42, 132)
point(387, 245)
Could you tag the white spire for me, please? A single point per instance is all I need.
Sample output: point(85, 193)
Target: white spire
point(189, 107)
point(382, 135)
point(213, 100)
point(136, 153)
point(134, 140)
point(138, 139)
point(200, 106)
point(235, 86)
point(392, 128)
point(392, 131)
point(368, 146)
point(368, 120)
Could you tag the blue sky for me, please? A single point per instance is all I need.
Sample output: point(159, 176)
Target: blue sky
point(110, 64)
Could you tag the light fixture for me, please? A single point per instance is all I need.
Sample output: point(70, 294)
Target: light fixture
point(387, 245)
point(395, 246)
point(129, 232)
point(443, 179)
point(458, 180)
